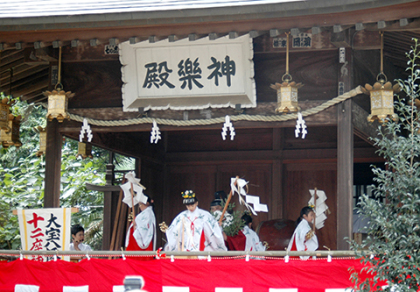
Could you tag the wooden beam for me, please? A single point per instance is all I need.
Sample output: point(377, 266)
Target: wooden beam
point(286, 156)
point(53, 166)
point(366, 40)
point(342, 38)
point(126, 144)
point(106, 188)
point(109, 210)
point(362, 128)
point(345, 158)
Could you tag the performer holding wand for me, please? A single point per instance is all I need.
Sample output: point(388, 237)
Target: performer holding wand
point(193, 229)
point(304, 238)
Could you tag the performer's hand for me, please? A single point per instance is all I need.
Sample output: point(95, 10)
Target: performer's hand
point(224, 236)
point(76, 244)
point(265, 243)
point(163, 227)
point(309, 235)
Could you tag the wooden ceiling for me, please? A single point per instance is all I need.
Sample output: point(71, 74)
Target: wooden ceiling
point(25, 67)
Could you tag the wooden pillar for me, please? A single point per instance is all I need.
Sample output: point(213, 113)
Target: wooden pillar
point(344, 155)
point(108, 203)
point(53, 165)
point(276, 210)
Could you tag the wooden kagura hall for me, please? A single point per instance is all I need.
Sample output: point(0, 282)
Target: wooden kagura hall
point(342, 53)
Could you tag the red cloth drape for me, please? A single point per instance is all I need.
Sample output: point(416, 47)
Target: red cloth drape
point(236, 242)
point(199, 275)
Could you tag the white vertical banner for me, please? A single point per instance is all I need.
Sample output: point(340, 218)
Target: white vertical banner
point(45, 229)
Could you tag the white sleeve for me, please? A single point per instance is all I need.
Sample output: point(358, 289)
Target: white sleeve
point(213, 234)
point(172, 234)
point(145, 228)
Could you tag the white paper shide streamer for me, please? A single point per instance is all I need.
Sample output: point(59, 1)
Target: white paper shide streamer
point(239, 188)
point(155, 133)
point(300, 124)
point(133, 182)
point(85, 129)
point(320, 207)
point(228, 126)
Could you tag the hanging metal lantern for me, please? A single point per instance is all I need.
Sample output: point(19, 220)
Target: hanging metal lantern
point(381, 95)
point(42, 140)
point(287, 96)
point(58, 98)
point(287, 91)
point(58, 104)
point(381, 100)
point(84, 150)
point(5, 105)
point(11, 137)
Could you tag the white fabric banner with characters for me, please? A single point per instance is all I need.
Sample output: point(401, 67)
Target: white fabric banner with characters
point(45, 229)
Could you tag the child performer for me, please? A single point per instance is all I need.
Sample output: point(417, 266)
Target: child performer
point(253, 242)
point(78, 236)
point(193, 229)
point(304, 238)
point(144, 236)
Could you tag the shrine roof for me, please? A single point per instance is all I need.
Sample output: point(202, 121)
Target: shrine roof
point(25, 12)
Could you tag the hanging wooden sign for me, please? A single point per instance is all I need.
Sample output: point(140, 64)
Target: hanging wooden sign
point(188, 74)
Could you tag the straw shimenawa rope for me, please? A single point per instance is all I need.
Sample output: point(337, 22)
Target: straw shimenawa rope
point(221, 120)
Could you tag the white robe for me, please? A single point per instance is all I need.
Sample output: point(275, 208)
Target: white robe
point(299, 237)
point(190, 226)
point(253, 242)
point(145, 229)
point(82, 247)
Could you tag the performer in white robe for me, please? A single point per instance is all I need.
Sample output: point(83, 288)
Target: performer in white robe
point(145, 229)
point(194, 229)
point(304, 238)
point(78, 236)
point(253, 242)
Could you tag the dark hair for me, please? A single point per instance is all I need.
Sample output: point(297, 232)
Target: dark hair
point(247, 219)
point(151, 202)
point(76, 228)
point(305, 211)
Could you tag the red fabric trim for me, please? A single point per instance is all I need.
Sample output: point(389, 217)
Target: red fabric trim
point(237, 242)
point(202, 241)
point(133, 246)
point(199, 275)
point(294, 248)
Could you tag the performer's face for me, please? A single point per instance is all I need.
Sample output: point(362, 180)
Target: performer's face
point(310, 217)
point(192, 207)
point(79, 237)
point(215, 208)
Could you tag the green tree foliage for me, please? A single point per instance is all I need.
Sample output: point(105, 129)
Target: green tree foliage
point(22, 180)
point(393, 231)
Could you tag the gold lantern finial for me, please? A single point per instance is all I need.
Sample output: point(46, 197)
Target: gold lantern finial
point(84, 150)
point(381, 94)
point(42, 140)
point(11, 137)
point(287, 91)
point(58, 98)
